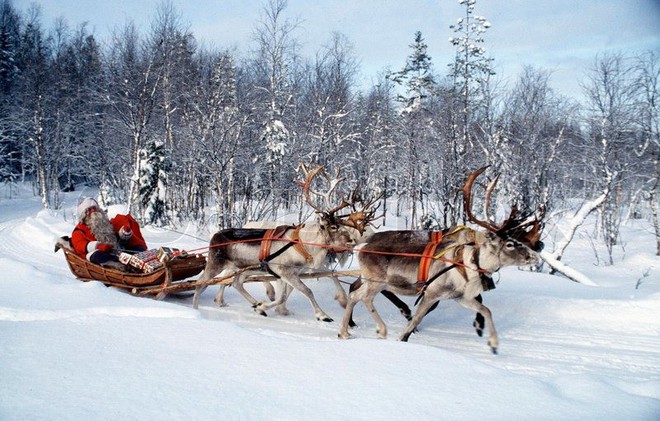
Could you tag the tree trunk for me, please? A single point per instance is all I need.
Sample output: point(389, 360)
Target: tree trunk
point(39, 147)
point(654, 213)
point(575, 223)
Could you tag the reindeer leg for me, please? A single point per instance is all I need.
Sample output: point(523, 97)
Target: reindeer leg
point(296, 283)
point(285, 292)
point(270, 291)
point(474, 304)
point(478, 323)
point(424, 307)
point(238, 284)
point(220, 296)
point(381, 328)
point(348, 317)
point(354, 287)
point(198, 293)
point(279, 303)
point(403, 307)
point(340, 296)
point(206, 275)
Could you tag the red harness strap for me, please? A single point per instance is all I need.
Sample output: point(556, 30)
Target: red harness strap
point(435, 237)
point(266, 242)
point(425, 261)
point(276, 234)
point(299, 246)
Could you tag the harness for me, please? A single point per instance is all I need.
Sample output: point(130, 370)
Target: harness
point(435, 238)
point(276, 234)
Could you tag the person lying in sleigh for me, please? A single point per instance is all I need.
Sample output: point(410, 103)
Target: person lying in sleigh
point(99, 239)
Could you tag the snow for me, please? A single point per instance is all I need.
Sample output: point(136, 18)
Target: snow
point(73, 350)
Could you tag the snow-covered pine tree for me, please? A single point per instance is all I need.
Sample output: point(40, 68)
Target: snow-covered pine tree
point(153, 184)
point(417, 79)
point(470, 71)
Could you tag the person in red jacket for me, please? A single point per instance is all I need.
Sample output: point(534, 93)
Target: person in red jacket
point(99, 240)
point(128, 231)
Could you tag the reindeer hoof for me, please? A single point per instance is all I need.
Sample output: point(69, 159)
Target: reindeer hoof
point(479, 328)
point(325, 319)
point(346, 335)
point(493, 346)
point(352, 324)
point(257, 308)
point(282, 311)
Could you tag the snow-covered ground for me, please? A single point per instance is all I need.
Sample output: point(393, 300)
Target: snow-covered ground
point(73, 350)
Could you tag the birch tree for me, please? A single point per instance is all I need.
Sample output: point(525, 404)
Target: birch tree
point(132, 94)
point(274, 66)
point(647, 69)
point(34, 61)
point(611, 97)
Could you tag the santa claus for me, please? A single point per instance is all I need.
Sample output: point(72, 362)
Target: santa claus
point(99, 239)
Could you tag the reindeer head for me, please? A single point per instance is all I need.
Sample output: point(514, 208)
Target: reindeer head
point(357, 219)
point(524, 228)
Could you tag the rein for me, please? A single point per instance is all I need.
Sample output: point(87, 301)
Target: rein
point(293, 242)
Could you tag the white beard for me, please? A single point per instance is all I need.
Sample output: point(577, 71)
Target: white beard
point(102, 228)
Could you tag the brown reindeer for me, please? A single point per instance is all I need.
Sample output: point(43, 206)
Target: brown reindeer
point(292, 249)
point(452, 236)
point(390, 261)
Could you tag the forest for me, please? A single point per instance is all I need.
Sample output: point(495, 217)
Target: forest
point(183, 132)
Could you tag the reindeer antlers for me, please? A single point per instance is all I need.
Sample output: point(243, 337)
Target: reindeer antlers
point(356, 219)
point(307, 189)
point(515, 226)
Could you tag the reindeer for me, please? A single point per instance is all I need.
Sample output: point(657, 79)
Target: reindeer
point(390, 261)
point(270, 291)
point(460, 234)
point(333, 258)
point(295, 248)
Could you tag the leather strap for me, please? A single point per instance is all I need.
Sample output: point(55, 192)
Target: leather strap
point(266, 242)
point(425, 261)
point(299, 246)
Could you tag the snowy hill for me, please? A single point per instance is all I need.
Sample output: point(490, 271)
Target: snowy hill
point(73, 350)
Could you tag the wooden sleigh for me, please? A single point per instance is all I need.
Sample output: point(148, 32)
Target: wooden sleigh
point(170, 278)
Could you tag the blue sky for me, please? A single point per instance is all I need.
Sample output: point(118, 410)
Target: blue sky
point(562, 36)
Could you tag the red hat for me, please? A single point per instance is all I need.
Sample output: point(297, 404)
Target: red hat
point(85, 204)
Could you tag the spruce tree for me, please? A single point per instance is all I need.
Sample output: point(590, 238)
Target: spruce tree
point(471, 69)
point(418, 82)
point(153, 182)
point(415, 76)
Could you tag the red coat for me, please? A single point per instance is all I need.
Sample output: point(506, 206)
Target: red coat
point(82, 236)
point(136, 239)
point(80, 239)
